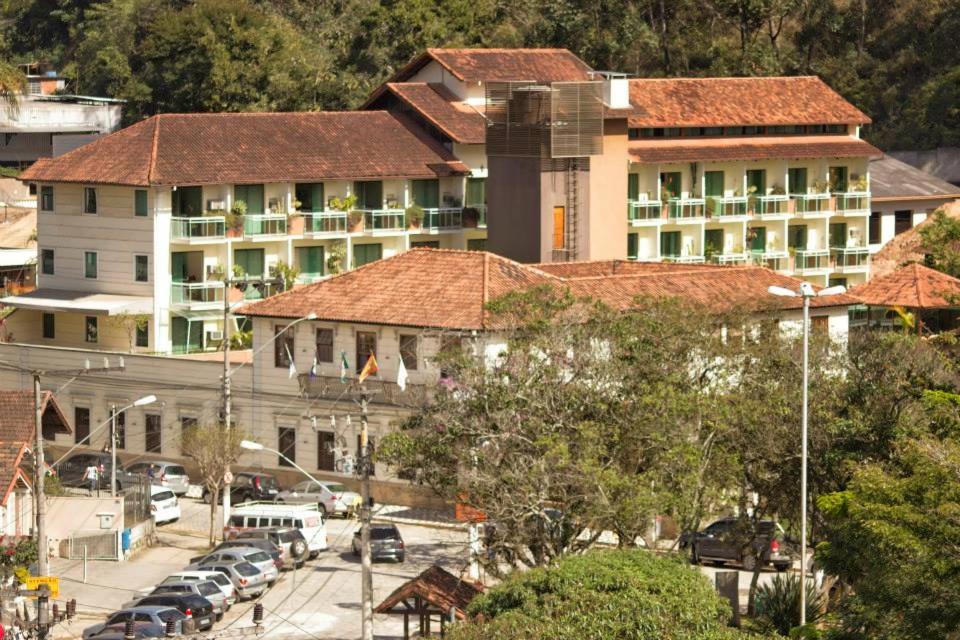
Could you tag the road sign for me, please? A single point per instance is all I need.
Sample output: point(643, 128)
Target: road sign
point(228, 478)
point(52, 583)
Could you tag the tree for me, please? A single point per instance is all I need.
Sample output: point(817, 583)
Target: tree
point(940, 241)
point(214, 448)
point(130, 323)
point(12, 82)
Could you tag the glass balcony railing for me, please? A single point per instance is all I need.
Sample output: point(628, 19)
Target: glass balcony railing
point(196, 227)
point(773, 205)
point(811, 260)
point(384, 220)
point(267, 224)
point(443, 218)
point(684, 259)
point(196, 294)
point(325, 222)
point(727, 206)
point(857, 202)
point(774, 260)
point(644, 210)
point(729, 258)
point(686, 208)
point(812, 203)
point(845, 258)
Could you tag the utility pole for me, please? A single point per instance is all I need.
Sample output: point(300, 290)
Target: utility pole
point(113, 451)
point(366, 564)
point(226, 389)
point(39, 492)
point(803, 463)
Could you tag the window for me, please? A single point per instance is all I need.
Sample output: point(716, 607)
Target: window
point(49, 330)
point(876, 228)
point(425, 244)
point(797, 236)
point(713, 183)
point(633, 186)
point(366, 253)
point(287, 445)
point(797, 180)
point(711, 131)
point(758, 238)
point(837, 282)
point(310, 196)
point(476, 192)
point(310, 261)
point(46, 262)
point(324, 345)
point(902, 221)
point(426, 193)
point(143, 335)
point(154, 429)
point(369, 194)
point(81, 424)
point(757, 178)
point(251, 195)
point(632, 245)
point(90, 264)
point(46, 198)
point(670, 243)
point(477, 244)
point(838, 179)
point(250, 260)
point(282, 346)
point(408, 351)
point(838, 234)
point(140, 203)
point(713, 241)
point(559, 228)
point(89, 200)
point(670, 184)
point(366, 345)
point(819, 324)
point(120, 424)
point(187, 201)
point(90, 329)
point(141, 271)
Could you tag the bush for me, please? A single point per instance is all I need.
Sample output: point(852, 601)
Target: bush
point(624, 594)
point(778, 604)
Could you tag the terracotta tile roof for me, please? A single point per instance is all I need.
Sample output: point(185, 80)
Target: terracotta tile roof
point(907, 247)
point(891, 179)
point(393, 291)
point(17, 416)
point(438, 105)
point(914, 286)
point(438, 587)
point(236, 148)
point(759, 148)
point(11, 457)
point(492, 65)
point(585, 269)
point(704, 102)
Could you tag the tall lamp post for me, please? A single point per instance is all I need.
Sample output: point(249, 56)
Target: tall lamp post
point(807, 293)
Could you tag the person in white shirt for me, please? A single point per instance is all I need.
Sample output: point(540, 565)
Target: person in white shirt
point(91, 476)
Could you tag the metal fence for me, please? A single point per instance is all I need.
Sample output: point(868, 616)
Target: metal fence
point(99, 545)
point(136, 502)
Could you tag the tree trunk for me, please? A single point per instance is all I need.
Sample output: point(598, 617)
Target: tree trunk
point(214, 500)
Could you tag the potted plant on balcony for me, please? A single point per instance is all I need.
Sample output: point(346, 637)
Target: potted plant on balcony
point(216, 272)
point(234, 219)
point(413, 216)
point(355, 221)
point(858, 183)
point(295, 219)
point(337, 251)
point(354, 217)
point(471, 217)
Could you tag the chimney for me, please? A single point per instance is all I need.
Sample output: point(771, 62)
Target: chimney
point(616, 89)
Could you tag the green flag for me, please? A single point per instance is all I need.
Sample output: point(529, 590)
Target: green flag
point(343, 366)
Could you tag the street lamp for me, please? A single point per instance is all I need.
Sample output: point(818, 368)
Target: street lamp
point(807, 292)
point(250, 445)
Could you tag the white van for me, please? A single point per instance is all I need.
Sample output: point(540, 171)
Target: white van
point(305, 517)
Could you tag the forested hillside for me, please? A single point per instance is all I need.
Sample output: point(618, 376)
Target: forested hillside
point(898, 60)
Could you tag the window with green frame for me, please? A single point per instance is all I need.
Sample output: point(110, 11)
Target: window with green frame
point(669, 243)
point(797, 236)
point(186, 336)
point(310, 261)
point(250, 260)
point(838, 234)
point(633, 243)
point(251, 195)
point(140, 203)
point(46, 198)
point(188, 201)
point(757, 178)
point(713, 241)
point(633, 186)
point(369, 194)
point(143, 335)
point(671, 183)
point(476, 192)
point(759, 239)
point(90, 264)
point(713, 183)
point(477, 244)
point(366, 253)
point(797, 179)
point(426, 193)
point(310, 195)
point(838, 179)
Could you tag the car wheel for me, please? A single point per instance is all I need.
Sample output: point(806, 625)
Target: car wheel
point(206, 497)
point(401, 557)
point(322, 508)
point(749, 562)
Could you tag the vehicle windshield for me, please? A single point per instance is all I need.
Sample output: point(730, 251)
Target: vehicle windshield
point(220, 579)
point(259, 556)
point(160, 496)
point(336, 488)
point(175, 470)
point(171, 614)
point(246, 569)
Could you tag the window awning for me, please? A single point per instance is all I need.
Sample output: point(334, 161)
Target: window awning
point(93, 304)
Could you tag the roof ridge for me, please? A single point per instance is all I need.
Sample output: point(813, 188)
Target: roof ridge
point(694, 78)
point(153, 150)
point(663, 273)
point(495, 256)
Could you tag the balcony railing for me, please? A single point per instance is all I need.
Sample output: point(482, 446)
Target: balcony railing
point(212, 227)
point(267, 224)
point(443, 218)
point(325, 222)
point(384, 220)
point(686, 208)
point(774, 260)
point(684, 259)
point(774, 205)
point(196, 294)
point(811, 260)
point(481, 210)
point(850, 257)
point(812, 203)
point(729, 258)
point(644, 210)
point(727, 206)
point(857, 202)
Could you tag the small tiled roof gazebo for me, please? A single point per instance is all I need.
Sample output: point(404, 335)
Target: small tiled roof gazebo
point(932, 296)
point(435, 592)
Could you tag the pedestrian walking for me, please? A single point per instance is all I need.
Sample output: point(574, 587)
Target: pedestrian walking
point(91, 476)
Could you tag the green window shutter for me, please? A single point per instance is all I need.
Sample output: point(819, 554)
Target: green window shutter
point(426, 193)
point(713, 183)
point(366, 253)
point(310, 195)
point(310, 260)
point(90, 264)
point(633, 186)
point(369, 194)
point(251, 195)
point(670, 243)
point(632, 244)
point(140, 202)
point(318, 197)
point(759, 242)
point(476, 191)
point(251, 260)
point(838, 234)
point(838, 179)
point(798, 180)
point(757, 178)
point(713, 240)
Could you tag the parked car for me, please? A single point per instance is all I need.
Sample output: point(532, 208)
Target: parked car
point(291, 542)
point(305, 517)
point(256, 557)
point(332, 498)
point(140, 630)
point(164, 506)
point(147, 615)
point(732, 540)
point(385, 543)
point(248, 486)
point(71, 471)
point(246, 578)
point(166, 474)
point(266, 546)
point(222, 581)
point(195, 607)
point(206, 588)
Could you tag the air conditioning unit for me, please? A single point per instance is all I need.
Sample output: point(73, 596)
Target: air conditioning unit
point(214, 336)
point(216, 205)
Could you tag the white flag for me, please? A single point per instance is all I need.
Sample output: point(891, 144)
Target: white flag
point(313, 367)
point(293, 367)
point(402, 376)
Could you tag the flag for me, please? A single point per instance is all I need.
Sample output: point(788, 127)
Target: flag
point(293, 367)
point(402, 376)
point(313, 367)
point(369, 369)
point(344, 367)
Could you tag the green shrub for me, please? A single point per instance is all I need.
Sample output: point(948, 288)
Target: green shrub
point(778, 604)
point(623, 594)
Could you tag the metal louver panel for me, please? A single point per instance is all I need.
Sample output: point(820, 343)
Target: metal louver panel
point(576, 119)
point(519, 119)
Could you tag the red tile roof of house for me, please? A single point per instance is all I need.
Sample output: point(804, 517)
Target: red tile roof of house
point(716, 102)
point(11, 457)
point(393, 291)
point(590, 268)
point(492, 65)
point(439, 588)
point(17, 422)
point(913, 286)
point(438, 105)
point(757, 148)
point(237, 148)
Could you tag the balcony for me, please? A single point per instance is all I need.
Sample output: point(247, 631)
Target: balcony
point(481, 214)
point(643, 211)
point(853, 203)
point(774, 260)
point(808, 261)
point(266, 224)
point(730, 258)
point(324, 222)
point(384, 220)
point(197, 295)
point(198, 228)
point(686, 209)
point(684, 259)
point(850, 259)
point(722, 207)
point(770, 207)
point(813, 205)
point(442, 219)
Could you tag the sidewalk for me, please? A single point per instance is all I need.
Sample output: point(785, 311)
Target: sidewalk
point(416, 516)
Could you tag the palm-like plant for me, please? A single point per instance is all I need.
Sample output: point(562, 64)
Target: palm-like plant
point(12, 82)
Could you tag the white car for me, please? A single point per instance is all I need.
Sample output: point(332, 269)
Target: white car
point(332, 498)
point(200, 576)
point(164, 505)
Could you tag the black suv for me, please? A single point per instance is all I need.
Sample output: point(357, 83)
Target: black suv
point(248, 486)
point(72, 470)
point(385, 543)
point(734, 540)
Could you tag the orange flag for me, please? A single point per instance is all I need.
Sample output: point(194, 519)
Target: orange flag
point(369, 369)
